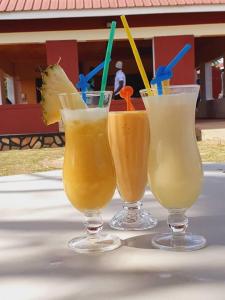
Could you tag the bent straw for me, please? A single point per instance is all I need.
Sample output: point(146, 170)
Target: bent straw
point(83, 80)
point(165, 72)
point(107, 61)
point(136, 55)
point(177, 58)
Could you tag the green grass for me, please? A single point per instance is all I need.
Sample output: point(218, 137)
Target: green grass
point(29, 161)
point(36, 160)
point(212, 151)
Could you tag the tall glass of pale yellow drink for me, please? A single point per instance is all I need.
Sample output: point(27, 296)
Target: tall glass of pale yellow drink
point(174, 169)
point(88, 173)
point(129, 142)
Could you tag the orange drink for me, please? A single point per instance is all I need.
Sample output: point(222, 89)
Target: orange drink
point(88, 173)
point(129, 142)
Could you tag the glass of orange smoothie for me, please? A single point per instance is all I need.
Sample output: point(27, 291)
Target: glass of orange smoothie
point(129, 142)
point(88, 172)
point(175, 169)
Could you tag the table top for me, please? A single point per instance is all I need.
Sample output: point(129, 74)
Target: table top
point(36, 221)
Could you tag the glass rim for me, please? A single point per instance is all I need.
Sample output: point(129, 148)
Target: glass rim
point(89, 93)
point(170, 87)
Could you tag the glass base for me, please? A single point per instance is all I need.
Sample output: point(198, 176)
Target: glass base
point(187, 242)
point(133, 219)
point(97, 243)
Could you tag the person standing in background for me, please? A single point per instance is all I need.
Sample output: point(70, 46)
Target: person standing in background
point(120, 80)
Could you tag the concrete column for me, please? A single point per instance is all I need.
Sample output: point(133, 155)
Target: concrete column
point(18, 90)
point(10, 82)
point(208, 81)
point(2, 87)
point(165, 48)
point(68, 52)
point(222, 85)
point(202, 81)
point(223, 78)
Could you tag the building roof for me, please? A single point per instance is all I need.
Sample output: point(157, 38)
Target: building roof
point(40, 5)
point(79, 8)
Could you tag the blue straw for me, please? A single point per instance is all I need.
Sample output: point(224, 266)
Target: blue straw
point(83, 80)
point(83, 85)
point(177, 58)
point(95, 71)
point(165, 72)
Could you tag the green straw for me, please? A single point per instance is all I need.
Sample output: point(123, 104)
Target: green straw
point(107, 61)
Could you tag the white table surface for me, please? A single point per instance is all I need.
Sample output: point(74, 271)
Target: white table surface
point(36, 221)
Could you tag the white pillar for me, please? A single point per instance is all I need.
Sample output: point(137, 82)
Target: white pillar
point(10, 89)
point(208, 81)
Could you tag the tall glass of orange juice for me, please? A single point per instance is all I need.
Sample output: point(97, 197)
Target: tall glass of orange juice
point(174, 169)
point(88, 172)
point(129, 142)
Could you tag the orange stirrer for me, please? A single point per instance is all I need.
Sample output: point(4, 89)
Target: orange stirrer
point(126, 92)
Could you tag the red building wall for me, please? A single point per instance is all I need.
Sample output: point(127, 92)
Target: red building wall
point(216, 82)
point(22, 119)
point(67, 52)
point(165, 48)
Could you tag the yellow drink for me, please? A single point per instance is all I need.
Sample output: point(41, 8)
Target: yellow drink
point(175, 172)
point(129, 141)
point(88, 173)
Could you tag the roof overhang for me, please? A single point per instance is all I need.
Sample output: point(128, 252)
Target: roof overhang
point(196, 30)
point(51, 14)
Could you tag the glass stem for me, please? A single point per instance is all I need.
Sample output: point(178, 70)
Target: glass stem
point(132, 209)
point(93, 223)
point(178, 224)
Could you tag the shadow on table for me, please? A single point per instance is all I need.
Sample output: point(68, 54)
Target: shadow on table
point(140, 241)
point(144, 241)
point(46, 176)
point(31, 191)
point(115, 275)
point(41, 226)
point(110, 276)
point(211, 227)
point(215, 167)
point(29, 178)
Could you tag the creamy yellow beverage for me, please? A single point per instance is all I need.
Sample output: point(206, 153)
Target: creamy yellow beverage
point(129, 141)
point(175, 172)
point(88, 173)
